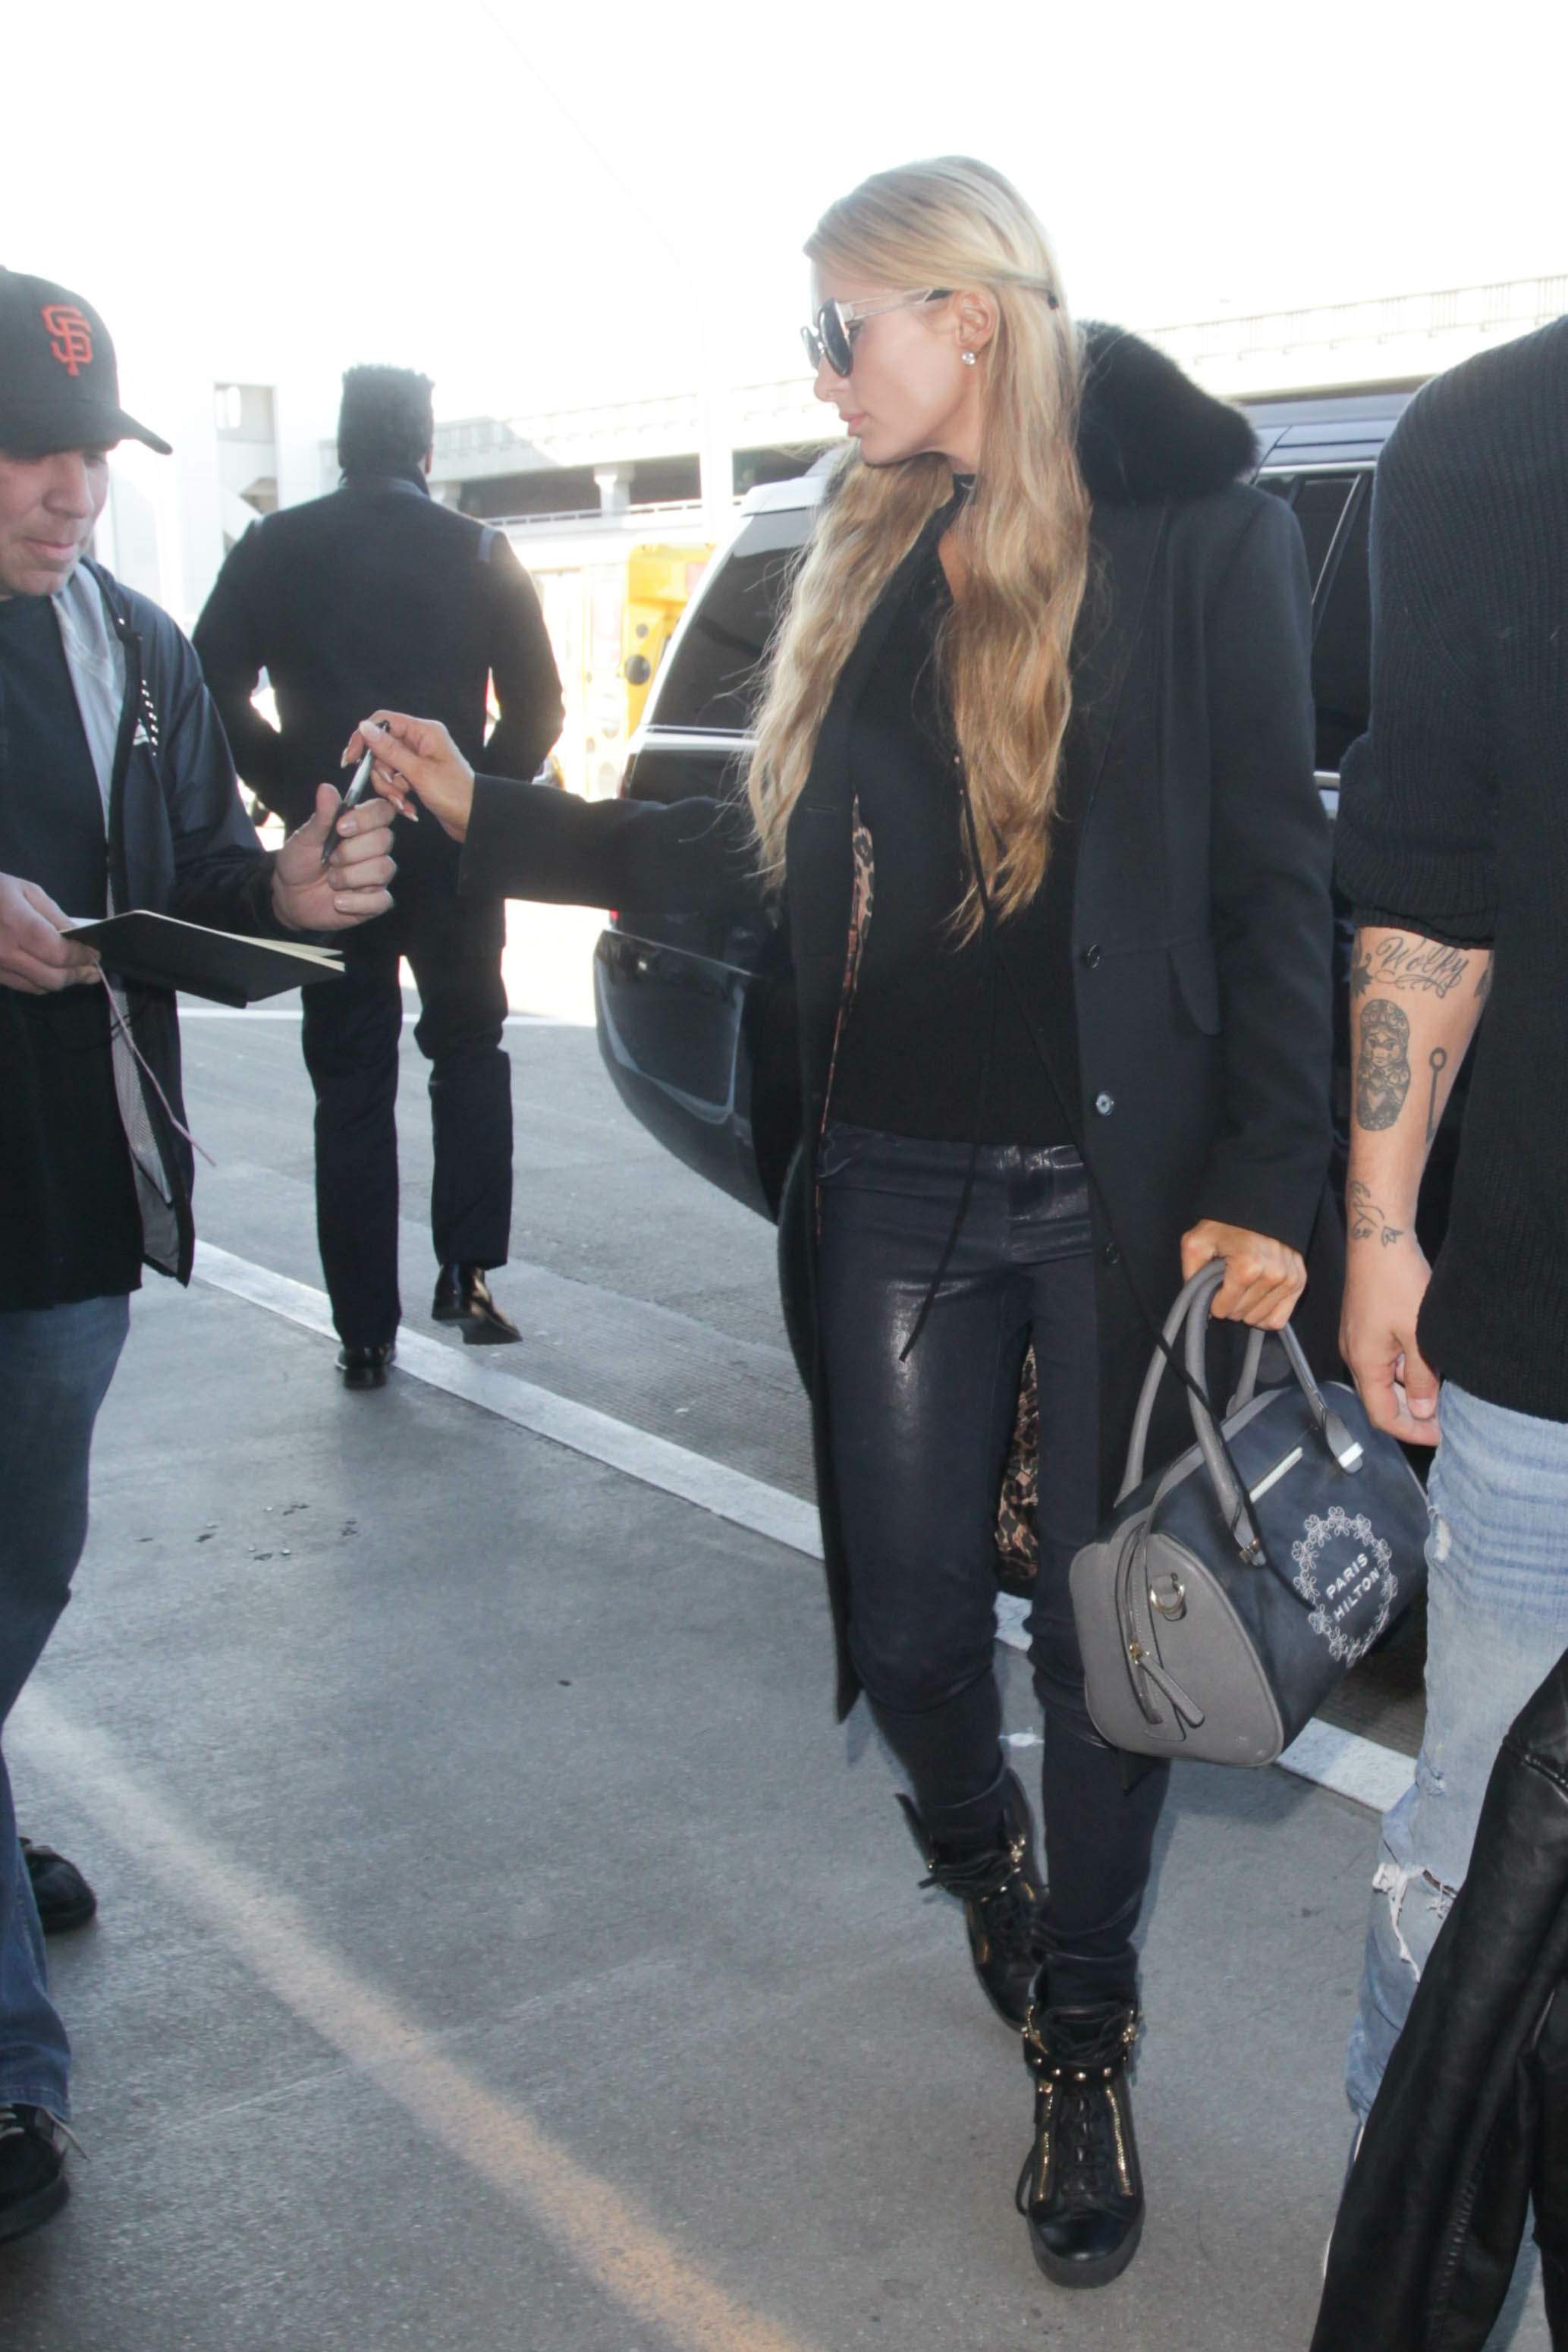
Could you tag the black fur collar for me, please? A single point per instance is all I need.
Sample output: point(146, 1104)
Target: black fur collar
point(1146, 430)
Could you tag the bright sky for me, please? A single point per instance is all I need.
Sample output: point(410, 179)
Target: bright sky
point(269, 192)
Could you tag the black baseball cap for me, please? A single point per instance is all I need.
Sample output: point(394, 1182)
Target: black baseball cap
point(59, 388)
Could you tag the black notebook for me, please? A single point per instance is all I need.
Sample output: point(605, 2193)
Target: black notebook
point(161, 951)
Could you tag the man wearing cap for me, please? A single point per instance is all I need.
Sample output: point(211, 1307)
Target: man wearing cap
point(117, 791)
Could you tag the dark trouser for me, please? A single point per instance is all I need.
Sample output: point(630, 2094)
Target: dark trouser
point(350, 1038)
point(919, 1448)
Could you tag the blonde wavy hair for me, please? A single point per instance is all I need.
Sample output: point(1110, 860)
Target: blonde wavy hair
point(1005, 649)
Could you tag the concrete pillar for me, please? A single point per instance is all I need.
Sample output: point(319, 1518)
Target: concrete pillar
point(716, 457)
point(614, 487)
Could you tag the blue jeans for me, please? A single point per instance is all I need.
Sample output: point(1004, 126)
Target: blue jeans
point(1496, 1557)
point(55, 1365)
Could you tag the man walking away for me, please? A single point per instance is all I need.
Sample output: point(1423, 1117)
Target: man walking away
point(116, 792)
point(376, 594)
point(1453, 846)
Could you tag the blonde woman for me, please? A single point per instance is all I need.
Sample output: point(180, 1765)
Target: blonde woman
point(1033, 777)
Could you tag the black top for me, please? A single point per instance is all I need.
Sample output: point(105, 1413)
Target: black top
point(52, 829)
point(372, 597)
point(1453, 824)
point(65, 1188)
point(935, 1045)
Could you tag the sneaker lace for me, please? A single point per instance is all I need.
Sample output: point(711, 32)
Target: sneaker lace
point(1083, 2136)
point(1075, 2123)
point(995, 1881)
point(1075, 2117)
point(1010, 1914)
point(12, 2125)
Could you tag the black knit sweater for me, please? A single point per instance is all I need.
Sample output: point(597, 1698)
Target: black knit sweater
point(935, 1046)
point(1454, 823)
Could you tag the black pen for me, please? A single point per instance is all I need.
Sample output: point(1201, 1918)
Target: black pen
point(358, 791)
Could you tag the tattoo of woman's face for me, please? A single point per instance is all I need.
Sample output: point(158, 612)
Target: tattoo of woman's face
point(1383, 1070)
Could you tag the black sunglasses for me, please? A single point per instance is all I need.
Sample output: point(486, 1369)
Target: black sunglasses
point(831, 334)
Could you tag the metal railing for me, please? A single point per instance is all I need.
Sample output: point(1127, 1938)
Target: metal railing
point(574, 518)
point(1508, 306)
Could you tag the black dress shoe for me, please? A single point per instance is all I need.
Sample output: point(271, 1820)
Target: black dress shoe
point(463, 1296)
point(64, 1898)
point(999, 1887)
point(366, 1368)
point(1081, 2189)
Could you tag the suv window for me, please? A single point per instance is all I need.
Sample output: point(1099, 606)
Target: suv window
point(710, 682)
point(711, 678)
point(1334, 513)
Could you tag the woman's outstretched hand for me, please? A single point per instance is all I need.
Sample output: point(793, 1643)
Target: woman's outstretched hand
point(418, 756)
point(1263, 1278)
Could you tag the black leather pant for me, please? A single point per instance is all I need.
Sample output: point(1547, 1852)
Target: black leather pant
point(919, 1447)
point(350, 1041)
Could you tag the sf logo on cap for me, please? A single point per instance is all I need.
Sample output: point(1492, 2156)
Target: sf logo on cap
point(70, 336)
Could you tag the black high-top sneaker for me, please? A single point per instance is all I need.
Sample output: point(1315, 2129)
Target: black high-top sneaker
point(1081, 2189)
point(33, 2184)
point(999, 1887)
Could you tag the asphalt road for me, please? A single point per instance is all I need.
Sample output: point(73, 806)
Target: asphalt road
point(499, 1946)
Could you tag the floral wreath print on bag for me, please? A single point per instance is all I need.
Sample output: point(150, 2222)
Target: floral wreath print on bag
point(1336, 1605)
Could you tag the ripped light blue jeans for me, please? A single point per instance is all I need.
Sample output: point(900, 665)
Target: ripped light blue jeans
point(1496, 1557)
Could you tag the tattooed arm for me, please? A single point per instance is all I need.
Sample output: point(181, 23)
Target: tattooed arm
point(1414, 1005)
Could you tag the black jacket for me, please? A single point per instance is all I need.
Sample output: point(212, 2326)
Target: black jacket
point(180, 844)
point(1201, 927)
point(1470, 2124)
point(371, 597)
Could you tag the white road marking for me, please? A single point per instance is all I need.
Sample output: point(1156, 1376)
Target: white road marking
point(1350, 1766)
point(608, 2234)
point(1343, 1761)
point(291, 1013)
point(460, 1371)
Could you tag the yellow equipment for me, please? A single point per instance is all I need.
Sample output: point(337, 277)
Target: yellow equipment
point(610, 616)
point(659, 584)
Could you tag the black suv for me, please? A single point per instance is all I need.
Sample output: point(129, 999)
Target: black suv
point(695, 1012)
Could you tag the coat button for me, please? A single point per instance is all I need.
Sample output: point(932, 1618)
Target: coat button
point(1111, 1254)
point(1090, 956)
point(1104, 1105)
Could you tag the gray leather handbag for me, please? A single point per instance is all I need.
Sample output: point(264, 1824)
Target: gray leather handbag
point(1230, 1593)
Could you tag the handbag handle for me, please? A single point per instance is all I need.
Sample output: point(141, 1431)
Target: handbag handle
point(1191, 1308)
point(1207, 1278)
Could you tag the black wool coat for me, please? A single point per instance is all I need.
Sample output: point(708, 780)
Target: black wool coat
point(1201, 925)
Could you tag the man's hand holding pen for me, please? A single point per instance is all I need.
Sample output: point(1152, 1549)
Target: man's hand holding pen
point(335, 872)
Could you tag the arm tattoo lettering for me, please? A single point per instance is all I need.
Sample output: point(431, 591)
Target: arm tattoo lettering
point(1417, 964)
point(1383, 1070)
point(1367, 1222)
